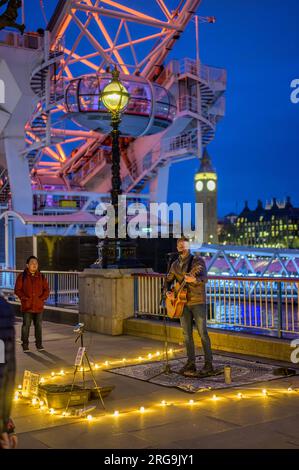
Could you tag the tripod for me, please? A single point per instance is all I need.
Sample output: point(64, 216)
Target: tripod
point(167, 368)
point(79, 362)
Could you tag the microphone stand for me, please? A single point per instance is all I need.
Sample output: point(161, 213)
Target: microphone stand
point(166, 369)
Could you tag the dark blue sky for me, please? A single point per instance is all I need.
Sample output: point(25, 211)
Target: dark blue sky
point(255, 151)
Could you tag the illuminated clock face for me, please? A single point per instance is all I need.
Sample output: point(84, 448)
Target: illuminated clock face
point(211, 185)
point(199, 186)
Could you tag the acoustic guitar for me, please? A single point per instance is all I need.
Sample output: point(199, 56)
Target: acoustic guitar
point(176, 303)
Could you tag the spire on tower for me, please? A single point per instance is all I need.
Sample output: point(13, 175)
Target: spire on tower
point(206, 164)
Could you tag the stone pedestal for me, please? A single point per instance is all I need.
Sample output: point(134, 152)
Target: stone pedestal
point(106, 299)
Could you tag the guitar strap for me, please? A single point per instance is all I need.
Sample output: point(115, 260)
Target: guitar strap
point(190, 263)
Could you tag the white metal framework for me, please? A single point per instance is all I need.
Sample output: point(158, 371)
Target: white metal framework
point(84, 37)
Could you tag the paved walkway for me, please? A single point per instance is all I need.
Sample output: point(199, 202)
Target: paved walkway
point(254, 421)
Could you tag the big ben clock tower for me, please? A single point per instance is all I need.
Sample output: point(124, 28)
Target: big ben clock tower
point(206, 193)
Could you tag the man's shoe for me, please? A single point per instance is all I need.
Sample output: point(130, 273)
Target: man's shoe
point(25, 349)
point(40, 348)
point(188, 367)
point(206, 370)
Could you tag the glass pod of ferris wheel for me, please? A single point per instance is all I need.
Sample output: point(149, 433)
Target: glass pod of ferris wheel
point(151, 107)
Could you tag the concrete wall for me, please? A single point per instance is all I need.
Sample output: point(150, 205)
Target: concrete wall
point(106, 299)
point(238, 343)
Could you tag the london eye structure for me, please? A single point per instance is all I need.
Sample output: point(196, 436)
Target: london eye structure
point(175, 107)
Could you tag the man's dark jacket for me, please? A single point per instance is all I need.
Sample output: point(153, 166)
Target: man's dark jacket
point(196, 291)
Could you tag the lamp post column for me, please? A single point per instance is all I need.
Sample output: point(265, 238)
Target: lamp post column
point(116, 180)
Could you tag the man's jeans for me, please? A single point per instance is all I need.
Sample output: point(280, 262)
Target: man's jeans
point(28, 317)
point(198, 313)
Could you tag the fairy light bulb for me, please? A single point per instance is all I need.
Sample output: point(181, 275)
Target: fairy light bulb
point(41, 403)
point(142, 409)
point(96, 366)
point(264, 392)
point(240, 395)
point(20, 387)
point(89, 417)
point(158, 353)
point(52, 374)
point(215, 397)
point(106, 363)
point(139, 358)
point(290, 389)
point(116, 413)
point(62, 372)
point(163, 402)
point(42, 380)
point(191, 402)
point(34, 401)
point(51, 411)
point(149, 355)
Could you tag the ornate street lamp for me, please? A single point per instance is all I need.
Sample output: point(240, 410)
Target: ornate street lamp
point(115, 97)
point(116, 253)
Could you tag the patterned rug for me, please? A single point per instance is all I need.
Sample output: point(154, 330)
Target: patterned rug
point(242, 373)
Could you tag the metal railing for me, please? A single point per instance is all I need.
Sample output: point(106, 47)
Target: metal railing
point(26, 41)
point(255, 305)
point(64, 289)
point(214, 76)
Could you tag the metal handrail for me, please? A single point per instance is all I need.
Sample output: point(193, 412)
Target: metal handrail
point(256, 305)
point(64, 285)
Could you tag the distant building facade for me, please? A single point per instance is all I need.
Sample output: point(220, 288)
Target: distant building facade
point(273, 225)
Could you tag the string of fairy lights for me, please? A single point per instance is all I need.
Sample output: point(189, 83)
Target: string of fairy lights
point(40, 404)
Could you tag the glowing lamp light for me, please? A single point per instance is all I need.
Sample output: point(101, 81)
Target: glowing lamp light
point(215, 397)
point(191, 402)
point(149, 356)
point(163, 402)
point(97, 366)
point(116, 413)
point(51, 411)
point(42, 380)
point(20, 387)
point(264, 392)
point(89, 417)
point(41, 403)
point(142, 409)
point(34, 401)
point(52, 374)
point(290, 389)
point(240, 395)
point(139, 358)
point(106, 363)
point(158, 353)
point(17, 396)
point(62, 372)
point(115, 96)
